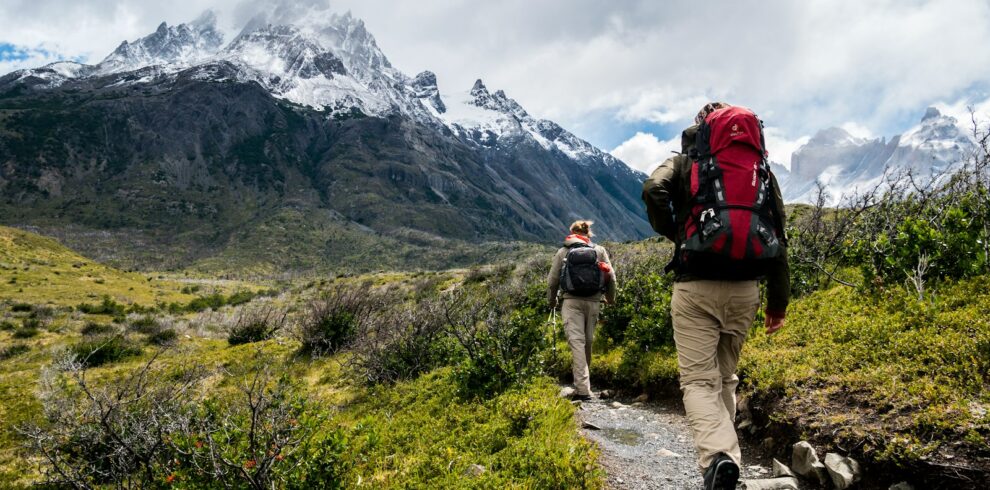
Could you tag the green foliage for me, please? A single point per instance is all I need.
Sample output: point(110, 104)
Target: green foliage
point(93, 328)
point(146, 324)
point(13, 350)
point(97, 351)
point(29, 328)
point(107, 307)
point(7, 325)
point(21, 307)
point(256, 325)
point(640, 317)
point(404, 436)
point(163, 337)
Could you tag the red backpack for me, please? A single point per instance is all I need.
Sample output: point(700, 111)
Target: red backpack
point(731, 228)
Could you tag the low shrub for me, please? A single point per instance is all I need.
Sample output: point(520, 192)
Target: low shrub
point(106, 307)
point(332, 319)
point(29, 328)
point(256, 325)
point(97, 351)
point(93, 328)
point(21, 307)
point(163, 337)
point(13, 350)
point(146, 324)
point(7, 325)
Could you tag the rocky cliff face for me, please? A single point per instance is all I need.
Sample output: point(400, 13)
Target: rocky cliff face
point(845, 164)
point(190, 146)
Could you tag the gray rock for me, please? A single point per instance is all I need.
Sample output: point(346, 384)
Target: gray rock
point(567, 392)
point(641, 398)
point(902, 486)
point(590, 426)
point(745, 424)
point(667, 453)
point(605, 394)
point(804, 462)
point(786, 483)
point(475, 470)
point(781, 469)
point(844, 470)
point(617, 405)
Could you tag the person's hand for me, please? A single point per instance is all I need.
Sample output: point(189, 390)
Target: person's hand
point(773, 323)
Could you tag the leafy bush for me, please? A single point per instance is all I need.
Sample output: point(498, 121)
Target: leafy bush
point(256, 325)
point(333, 318)
point(21, 307)
point(502, 347)
point(29, 328)
point(163, 337)
point(402, 343)
point(146, 324)
point(13, 350)
point(107, 307)
point(150, 428)
point(97, 351)
point(7, 326)
point(93, 328)
point(640, 317)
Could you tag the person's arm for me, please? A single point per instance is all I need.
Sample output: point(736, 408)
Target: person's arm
point(611, 285)
point(778, 276)
point(553, 279)
point(658, 190)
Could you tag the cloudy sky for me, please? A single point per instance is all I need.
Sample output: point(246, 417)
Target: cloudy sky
point(627, 76)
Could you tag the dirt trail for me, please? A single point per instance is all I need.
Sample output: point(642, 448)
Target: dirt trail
point(647, 445)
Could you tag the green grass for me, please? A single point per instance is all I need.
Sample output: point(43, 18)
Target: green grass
point(39, 270)
point(421, 434)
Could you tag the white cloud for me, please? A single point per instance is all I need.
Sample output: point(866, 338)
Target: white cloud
point(645, 152)
point(802, 66)
point(779, 147)
point(856, 129)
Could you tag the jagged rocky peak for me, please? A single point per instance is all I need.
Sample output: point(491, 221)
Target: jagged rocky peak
point(183, 44)
point(424, 86)
point(931, 113)
point(285, 51)
point(347, 36)
point(498, 101)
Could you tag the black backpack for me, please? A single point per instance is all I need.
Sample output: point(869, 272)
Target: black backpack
point(580, 274)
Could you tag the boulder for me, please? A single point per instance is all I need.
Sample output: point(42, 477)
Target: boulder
point(781, 469)
point(567, 392)
point(641, 398)
point(475, 470)
point(804, 462)
point(786, 483)
point(844, 470)
point(605, 394)
point(617, 405)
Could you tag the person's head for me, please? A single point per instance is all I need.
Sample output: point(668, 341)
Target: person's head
point(582, 227)
point(708, 109)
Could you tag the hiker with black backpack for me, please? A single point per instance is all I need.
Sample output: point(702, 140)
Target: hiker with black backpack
point(583, 272)
point(720, 204)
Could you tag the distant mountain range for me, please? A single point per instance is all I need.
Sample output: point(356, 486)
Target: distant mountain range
point(845, 165)
point(294, 145)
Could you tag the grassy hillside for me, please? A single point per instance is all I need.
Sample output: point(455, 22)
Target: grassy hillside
point(36, 269)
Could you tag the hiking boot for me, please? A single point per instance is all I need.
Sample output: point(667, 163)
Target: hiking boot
point(581, 398)
point(722, 474)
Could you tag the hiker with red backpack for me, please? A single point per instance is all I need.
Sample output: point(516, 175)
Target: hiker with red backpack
point(720, 204)
point(583, 272)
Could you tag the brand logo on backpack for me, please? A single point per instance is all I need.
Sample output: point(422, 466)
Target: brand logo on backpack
point(730, 228)
point(580, 274)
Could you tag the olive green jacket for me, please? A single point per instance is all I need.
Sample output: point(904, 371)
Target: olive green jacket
point(667, 195)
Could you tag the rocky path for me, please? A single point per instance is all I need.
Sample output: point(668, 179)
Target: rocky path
point(646, 445)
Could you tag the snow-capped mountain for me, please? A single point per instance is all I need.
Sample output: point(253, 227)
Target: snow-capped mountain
point(845, 164)
point(333, 64)
point(298, 110)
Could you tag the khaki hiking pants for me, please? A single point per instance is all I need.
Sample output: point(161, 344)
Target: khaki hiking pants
point(580, 317)
point(711, 319)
